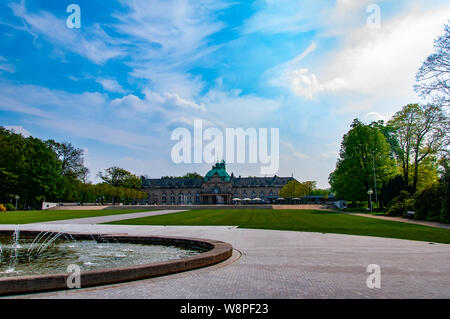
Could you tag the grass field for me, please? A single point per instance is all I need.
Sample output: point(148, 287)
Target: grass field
point(28, 217)
point(298, 220)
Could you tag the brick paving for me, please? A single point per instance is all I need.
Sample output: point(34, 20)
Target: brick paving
point(283, 264)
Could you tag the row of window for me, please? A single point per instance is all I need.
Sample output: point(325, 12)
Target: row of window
point(195, 199)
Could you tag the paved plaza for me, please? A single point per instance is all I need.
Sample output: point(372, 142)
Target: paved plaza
point(282, 264)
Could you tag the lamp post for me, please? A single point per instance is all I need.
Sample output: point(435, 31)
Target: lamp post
point(17, 198)
point(370, 192)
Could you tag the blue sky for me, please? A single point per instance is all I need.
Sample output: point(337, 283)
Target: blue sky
point(137, 69)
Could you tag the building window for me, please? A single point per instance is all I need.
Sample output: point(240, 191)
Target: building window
point(197, 198)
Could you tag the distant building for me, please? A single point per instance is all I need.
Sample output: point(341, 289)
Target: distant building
point(217, 187)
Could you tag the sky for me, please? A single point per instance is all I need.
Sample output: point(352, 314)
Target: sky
point(135, 70)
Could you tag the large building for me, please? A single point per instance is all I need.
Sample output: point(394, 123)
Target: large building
point(217, 187)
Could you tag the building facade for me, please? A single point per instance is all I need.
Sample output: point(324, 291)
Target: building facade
point(217, 187)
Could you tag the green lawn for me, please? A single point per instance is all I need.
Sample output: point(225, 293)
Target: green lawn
point(298, 220)
point(28, 217)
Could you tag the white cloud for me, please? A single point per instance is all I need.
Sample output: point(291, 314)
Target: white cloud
point(375, 61)
point(110, 85)
point(41, 101)
point(375, 117)
point(156, 103)
point(292, 152)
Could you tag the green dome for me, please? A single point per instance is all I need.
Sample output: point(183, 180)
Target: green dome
point(220, 170)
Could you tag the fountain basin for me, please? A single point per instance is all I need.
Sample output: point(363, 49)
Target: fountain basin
point(214, 252)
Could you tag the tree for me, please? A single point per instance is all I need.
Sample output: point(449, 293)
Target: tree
point(119, 177)
point(192, 175)
point(294, 189)
point(392, 189)
point(72, 161)
point(433, 78)
point(364, 163)
point(41, 178)
point(28, 168)
point(422, 131)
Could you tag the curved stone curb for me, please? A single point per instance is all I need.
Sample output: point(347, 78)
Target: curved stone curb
point(217, 251)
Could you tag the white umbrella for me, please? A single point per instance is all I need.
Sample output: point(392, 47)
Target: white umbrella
point(247, 199)
point(236, 199)
point(257, 199)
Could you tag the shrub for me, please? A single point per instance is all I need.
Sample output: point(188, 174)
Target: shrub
point(10, 207)
point(445, 187)
point(401, 204)
point(428, 203)
point(2, 208)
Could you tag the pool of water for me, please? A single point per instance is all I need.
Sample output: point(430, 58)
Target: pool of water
point(25, 255)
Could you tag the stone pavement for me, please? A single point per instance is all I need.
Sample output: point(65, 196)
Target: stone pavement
point(283, 264)
point(112, 218)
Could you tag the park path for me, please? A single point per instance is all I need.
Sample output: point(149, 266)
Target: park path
point(404, 220)
point(112, 218)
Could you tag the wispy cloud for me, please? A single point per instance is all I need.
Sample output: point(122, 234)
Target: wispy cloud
point(6, 66)
point(98, 47)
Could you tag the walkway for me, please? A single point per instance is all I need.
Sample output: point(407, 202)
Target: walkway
point(112, 218)
point(283, 264)
point(403, 220)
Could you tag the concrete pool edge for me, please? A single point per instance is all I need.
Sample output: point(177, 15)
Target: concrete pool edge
point(218, 251)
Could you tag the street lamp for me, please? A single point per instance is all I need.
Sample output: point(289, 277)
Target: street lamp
point(370, 192)
point(17, 198)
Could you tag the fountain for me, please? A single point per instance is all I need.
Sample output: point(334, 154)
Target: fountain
point(32, 261)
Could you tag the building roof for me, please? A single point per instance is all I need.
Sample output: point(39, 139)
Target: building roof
point(274, 181)
point(220, 170)
point(173, 182)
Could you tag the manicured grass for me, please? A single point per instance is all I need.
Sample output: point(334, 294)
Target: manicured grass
point(299, 220)
point(28, 217)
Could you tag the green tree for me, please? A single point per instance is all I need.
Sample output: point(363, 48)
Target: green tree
point(72, 160)
point(119, 177)
point(422, 132)
point(364, 162)
point(294, 189)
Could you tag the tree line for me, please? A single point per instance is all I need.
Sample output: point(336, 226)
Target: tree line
point(296, 189)
point(36, 170)
point(405, 161)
